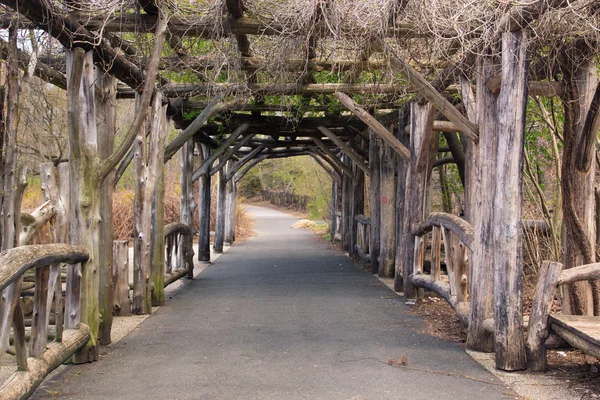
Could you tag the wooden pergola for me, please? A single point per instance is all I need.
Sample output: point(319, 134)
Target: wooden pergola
point(370, 104)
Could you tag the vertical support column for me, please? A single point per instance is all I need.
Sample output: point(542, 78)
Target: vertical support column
point(417, 186)
point(106, 125)
point(204, 209)
point(148, 172)
point(357, 206)
point(187, 206)
point(388, 211)
point(333, 210)
point(230, 207)
point(401, 198)
point(375, 200)
point(157, 254)
point(580, 104)
point(220, 228)
point(508, 257)
point(84, 199)
point(346, 190)
point(480, 177)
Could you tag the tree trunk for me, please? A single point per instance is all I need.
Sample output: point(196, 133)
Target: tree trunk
point(204, 209)
point(578, 187)
point(375, 200)
point(346, 190)
point(388, 211)
point(417, 186)
point(480, 183)
point(85, 216)
point(508, 249)
point(357, 206)
point(220, 228)
point(147, 173)
point(401, 198)
point(106, 125)
point(158, 238)
point(187, 205)
point(230, 203)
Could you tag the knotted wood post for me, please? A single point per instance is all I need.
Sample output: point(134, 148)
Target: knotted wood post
point(204, 189)
point(220, 228)
point(508, 250)
point(357, 206)
point(580, 100)
point(230, 206)
point(187, 206)
point(333, 210)
point(346, 191)
point(106, 120)
point(121, 300)
point(149, 161)
point(422, 145)
point(388, 211)
point(375, 200)
point(480, 184)
point(84, 198)
point(158, 236)
point(401, 197)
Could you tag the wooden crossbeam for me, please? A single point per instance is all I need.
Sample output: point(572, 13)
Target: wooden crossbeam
point(436, 98)
point(349, 151)
point(204, 27)
point(207, 164)
point(190, 90)
point(331, 156)
point(372, 123)
point(230, 154)
point(71, 33)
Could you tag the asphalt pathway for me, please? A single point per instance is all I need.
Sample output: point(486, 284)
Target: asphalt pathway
point(280, 316)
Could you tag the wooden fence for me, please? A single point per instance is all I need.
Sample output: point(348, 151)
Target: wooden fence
point(286, 199)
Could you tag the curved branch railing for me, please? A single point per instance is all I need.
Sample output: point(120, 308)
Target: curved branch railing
point(456, 236)
point(363, 238)
point(179, 257)
point(43, 356)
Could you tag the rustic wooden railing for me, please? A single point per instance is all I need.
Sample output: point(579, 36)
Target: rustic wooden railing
point(456, 237)
point(179, 255)
point(35, 356)
point(363, 238)
point(581, 332)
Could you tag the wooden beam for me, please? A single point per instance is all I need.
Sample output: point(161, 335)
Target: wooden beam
point(71, 33)
point(375, 125)
point(230, 154)
point(204, 27)
point(205, 167)
point(436, 98)
point(328, 153)
point(535, 88)
point(240, 163)
point(187, 90)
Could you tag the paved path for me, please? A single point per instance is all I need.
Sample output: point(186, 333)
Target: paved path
point(280, 316)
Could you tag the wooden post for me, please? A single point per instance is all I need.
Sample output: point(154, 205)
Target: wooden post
point(230, 203)
point(220, 228)
point(417, 186)
point(388, 211)
point(106, 125)
point(401, 197)
point(357, 205)
point(577, 184)
point(204, 209)
point(346, 191)
point(187, 205)
point(538, 320)
point(121, 300)
point(508, 257)
point(333, 210)
point(84, 198)
point(148, 172)
point(375, 200)
point(480, 185)
point(157, 253)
